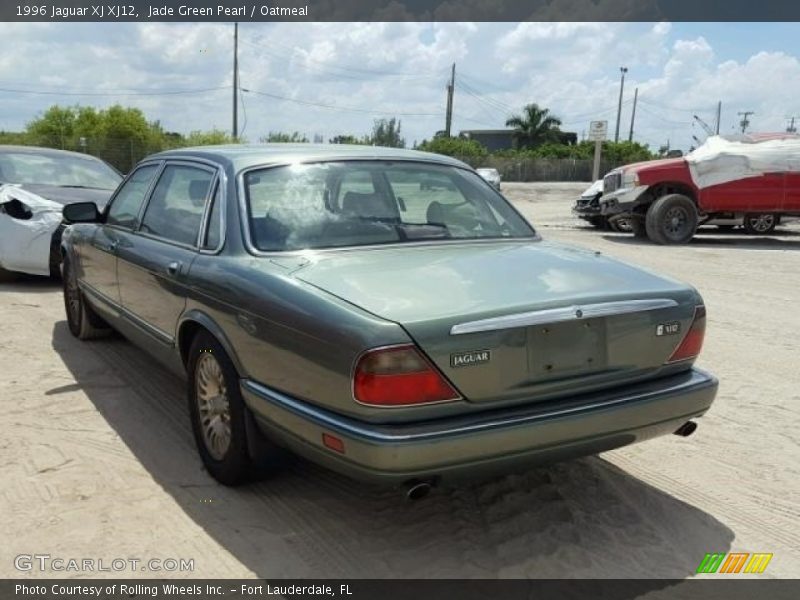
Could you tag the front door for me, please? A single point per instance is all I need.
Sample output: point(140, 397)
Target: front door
point(99, 257)
point(154, 261)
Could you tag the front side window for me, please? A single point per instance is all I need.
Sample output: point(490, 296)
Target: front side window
point(356, 203)
point(128, 202)
point(175, 210)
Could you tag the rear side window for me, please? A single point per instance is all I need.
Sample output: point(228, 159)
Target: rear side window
point(175, 210)
point(128, 201)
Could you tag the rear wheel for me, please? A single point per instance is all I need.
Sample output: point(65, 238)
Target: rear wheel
point(217, 411)
point(672, 219)
point(83, 322)
point(760, 224)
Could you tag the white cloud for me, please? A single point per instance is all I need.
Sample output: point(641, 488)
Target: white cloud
point(393, 68)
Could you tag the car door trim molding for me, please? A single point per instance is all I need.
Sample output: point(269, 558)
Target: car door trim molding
point(124, 313)
point(562, 314)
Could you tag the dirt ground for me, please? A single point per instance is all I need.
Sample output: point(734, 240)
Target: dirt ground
point(97, 459)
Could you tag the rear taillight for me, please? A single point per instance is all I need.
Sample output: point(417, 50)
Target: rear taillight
point(399, 376)
point(692, 342)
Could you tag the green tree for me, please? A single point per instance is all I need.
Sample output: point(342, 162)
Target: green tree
point(55, 128)
point(348, 139)
point(212, 137)
point(278, 137)
point(534, 126)
point(386, 132)
point(453, 147)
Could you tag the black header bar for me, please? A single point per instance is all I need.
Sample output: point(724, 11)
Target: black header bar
point(399, 10)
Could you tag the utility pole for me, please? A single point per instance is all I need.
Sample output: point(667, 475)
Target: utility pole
point(791, 128)
point(235, 80)
point(745, 122)
point(622, 70)
point(450, 89)
point(719, 115)
point(633, 113)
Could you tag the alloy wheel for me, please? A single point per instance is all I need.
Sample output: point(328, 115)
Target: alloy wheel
point(213, 406)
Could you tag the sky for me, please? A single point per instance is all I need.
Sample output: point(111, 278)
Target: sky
point(328, 79)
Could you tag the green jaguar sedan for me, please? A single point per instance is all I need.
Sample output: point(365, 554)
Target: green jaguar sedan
point(386, 313)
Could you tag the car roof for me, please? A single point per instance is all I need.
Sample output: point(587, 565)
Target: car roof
point(242, 156)
point(8, 148)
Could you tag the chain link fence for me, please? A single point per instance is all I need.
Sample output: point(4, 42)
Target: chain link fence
point(541, 169)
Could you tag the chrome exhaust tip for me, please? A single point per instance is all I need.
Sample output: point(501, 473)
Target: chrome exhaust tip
point(417, 490)
point(686, 429)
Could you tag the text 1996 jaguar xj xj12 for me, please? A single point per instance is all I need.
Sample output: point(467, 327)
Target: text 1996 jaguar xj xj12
point(386, 313)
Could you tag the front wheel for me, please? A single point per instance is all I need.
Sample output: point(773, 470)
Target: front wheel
point(672, 219)
point(621, 225)
point(217, 412)
point(760, 224)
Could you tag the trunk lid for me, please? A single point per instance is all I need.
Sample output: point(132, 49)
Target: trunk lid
point(516, 320)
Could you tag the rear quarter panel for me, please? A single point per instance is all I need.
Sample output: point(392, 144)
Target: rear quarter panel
point(288, 335)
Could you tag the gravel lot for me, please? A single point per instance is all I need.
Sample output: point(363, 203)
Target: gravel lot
point(98, 461)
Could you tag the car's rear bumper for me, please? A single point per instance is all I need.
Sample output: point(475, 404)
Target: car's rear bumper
point(486, 442)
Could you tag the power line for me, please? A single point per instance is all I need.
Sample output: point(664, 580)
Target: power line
point(485, 101)
point(642, 106)
point(113, 94)
point(340, 108)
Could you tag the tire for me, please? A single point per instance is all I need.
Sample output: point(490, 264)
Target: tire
point(622, 225)
point(637, 228)
point(760, 223)
point(83, 322)
point(217, 412)
point(672, 219)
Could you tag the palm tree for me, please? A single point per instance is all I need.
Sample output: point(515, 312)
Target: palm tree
point(535, 126)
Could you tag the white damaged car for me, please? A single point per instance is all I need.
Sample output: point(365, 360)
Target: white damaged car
point(35, 184)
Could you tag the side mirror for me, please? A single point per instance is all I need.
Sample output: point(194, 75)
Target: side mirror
point(81, 212)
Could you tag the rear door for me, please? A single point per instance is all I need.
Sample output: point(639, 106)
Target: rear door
point(99, 256)
point(791, 201)
point(751, 194)
point(154, 262)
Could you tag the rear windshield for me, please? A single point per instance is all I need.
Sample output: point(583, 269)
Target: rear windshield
point(325, 205)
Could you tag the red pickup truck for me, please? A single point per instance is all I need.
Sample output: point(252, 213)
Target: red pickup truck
point(748, 179)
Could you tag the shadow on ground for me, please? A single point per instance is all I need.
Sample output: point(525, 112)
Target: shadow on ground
point(585, 518)
point(28, 284)
point(784, 240)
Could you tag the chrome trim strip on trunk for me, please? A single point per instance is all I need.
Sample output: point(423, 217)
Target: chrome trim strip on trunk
point(566, 313)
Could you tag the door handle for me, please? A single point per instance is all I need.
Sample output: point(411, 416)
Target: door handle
point(174, 267)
